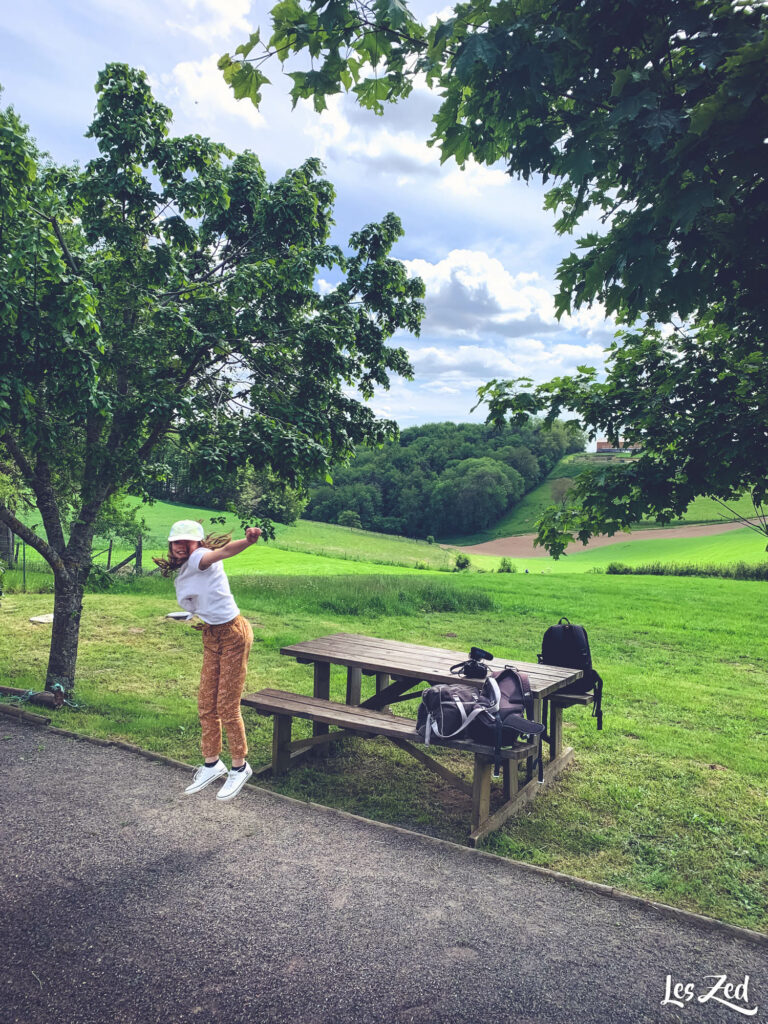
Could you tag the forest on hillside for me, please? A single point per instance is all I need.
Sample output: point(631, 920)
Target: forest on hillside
point(438, 480)
point(442, 479)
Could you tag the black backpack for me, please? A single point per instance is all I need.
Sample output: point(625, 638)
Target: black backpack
point(567, 646)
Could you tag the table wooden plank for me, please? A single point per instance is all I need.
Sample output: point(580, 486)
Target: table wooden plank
point(415, 661)
point(359, 647)
point(435, 766)
point(322, 689)
point(304, 707)
point(433, 657)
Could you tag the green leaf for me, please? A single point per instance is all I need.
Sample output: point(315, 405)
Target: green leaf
point(253, 40)
point(476, 49)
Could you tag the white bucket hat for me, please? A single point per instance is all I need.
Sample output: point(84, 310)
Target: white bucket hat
point(186, 529)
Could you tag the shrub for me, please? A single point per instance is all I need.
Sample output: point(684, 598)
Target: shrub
point(737, 571)
point(430, 539)
point(350, 518)
point(618, 569)
point(505, 565)
point(462, 562)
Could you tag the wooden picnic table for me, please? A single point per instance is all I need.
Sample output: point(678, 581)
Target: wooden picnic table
point(398, 668)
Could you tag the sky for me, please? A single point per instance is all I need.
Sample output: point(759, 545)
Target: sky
point(482, 242)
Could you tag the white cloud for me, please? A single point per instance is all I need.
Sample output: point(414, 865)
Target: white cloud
point(198, 95)
point(578, 353)
point(472, 295)
point(468, 363)
point(473, 180)
point(209, 20)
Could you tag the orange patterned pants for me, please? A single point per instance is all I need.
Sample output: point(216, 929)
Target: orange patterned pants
point(225, 662)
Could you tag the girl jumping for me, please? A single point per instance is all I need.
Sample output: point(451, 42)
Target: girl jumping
point(202, 588)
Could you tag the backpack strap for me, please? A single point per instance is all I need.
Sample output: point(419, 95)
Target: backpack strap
point(497, 750)
point(491, 709)
point(523, 726)
point(537, 763)
point(525, 686)
point(597, 706)
point(581, 635)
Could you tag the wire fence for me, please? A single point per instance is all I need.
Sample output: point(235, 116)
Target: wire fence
point(21, 559)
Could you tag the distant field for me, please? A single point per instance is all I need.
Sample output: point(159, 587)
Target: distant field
point(522, 518)
point(321, 549)
point(309, 539)
point(324, 549)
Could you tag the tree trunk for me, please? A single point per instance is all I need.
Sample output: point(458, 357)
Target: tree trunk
point(67, 609)
point(6, 544)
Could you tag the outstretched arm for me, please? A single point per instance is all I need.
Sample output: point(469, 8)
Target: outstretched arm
point(234, 547)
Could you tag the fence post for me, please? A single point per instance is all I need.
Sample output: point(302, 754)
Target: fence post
point(109, 556)
point(138, 556)
point(24, 567)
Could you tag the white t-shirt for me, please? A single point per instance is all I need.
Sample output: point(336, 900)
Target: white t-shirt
point(205, 592)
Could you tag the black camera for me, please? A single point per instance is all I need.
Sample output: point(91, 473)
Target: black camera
point(478, 654)
point(473, 669)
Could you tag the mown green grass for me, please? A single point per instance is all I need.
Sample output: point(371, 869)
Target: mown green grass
point(739, 545)
point(668, 802)
point(310, 548)
point(305, 537)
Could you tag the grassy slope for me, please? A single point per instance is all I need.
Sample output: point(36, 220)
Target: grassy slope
point(667, 802)
point(346, 551)
point(308, 538)
point(522, 518)
point(319, 549)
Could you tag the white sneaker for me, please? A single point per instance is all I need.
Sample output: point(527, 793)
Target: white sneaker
point(235, 782)
point(206, 774)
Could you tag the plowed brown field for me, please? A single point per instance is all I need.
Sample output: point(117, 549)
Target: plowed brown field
point(522, 546)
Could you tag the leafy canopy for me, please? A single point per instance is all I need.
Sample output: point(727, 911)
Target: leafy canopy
point(167, 288)
point(652, 114)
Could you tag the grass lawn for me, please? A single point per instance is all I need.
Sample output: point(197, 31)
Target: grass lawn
point(668, 802)
point(322, 549)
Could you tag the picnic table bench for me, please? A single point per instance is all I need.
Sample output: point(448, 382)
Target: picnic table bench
point(397, 668)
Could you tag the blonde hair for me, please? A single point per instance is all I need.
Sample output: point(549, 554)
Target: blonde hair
point(169, 565)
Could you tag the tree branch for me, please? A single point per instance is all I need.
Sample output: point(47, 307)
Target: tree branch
point(39, 479)
point(31, 538)
point(742, 519)
point(64, 247)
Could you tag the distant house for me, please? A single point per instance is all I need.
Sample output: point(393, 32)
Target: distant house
point(607, 448)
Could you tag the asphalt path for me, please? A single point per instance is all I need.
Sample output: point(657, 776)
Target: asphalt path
point(123, 900)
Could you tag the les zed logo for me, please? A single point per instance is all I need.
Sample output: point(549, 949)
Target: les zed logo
point(721, 992)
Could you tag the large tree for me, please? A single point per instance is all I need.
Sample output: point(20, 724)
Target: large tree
point(652, 114)
point(167, 286)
